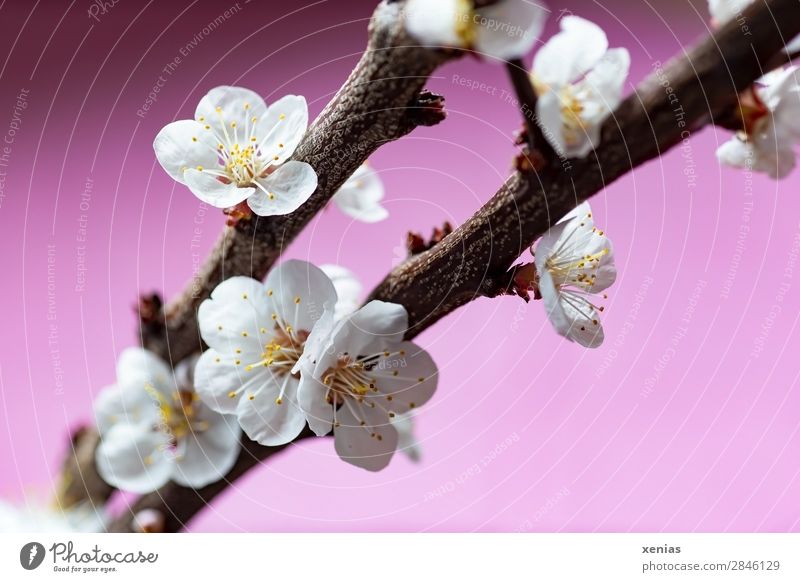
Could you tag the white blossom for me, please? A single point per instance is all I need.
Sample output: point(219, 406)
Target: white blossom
point(505, 30)
point(33, 516)
point(575, 264)
point(154, 429)
point(358, 375)
point(238, 149)
point(360, 196)
point(579, 82)
point(348, 289)
point(770, 145)
point(256, 333)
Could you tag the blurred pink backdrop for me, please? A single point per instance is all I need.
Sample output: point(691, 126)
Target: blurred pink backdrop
point(684, 420)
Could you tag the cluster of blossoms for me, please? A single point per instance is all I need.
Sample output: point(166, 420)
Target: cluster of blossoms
point(577, 78)
point(282, 354)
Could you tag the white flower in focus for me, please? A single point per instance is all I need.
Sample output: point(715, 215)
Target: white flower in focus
point(238, 149)
point(348, 289)
point(360, 196)
point(505, 30)
point(37, 517)
point(256, 333)
point(575, 263)
point(769, 147)
point(358, 376)
point(723, 11)
point(579, 81)
point(154, 430)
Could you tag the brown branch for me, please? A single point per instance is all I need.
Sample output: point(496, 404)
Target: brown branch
point(540, 148)
point(381, 101)
point(475, 260)
point(79, 480)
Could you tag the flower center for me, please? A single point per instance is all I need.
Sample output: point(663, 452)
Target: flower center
point(571, 116)
point(465, 22)
point(178, 417)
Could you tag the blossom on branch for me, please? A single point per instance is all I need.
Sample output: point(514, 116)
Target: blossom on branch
point(237, 148)
point(504, 30)
point(360, 196)
point(575, 263)
point(358, 376)
point(256, 333)
point(768, 144)
point(154, 429)
point(579, 82)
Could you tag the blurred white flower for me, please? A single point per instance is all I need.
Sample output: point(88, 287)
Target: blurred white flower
point(579, 81)
point(770, 144)
point(360, 196)
point(575, 263)
point(348, 289)
point(238, 149)
point(154, 430)
point(407, 442)
point(505, 30)
point(33, 516)
point(256, 333)
point(723, 11)
point(358, 375)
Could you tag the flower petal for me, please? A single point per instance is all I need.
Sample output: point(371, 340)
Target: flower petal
point(281, 130)
point(548, 116)
point(134, 459)
point(348, 289)
point(311, 399)
point(360, 196)
point(267, 422)
point(206, 457)
point(235, 315)
point(185, 144)
point(437, 24)
point(210, 190)
point(370, 447)
point(229, 111)
point(508, 29)
point(218, 375)
point(406, 379)
point(115, 405)
point(375, 327)
point(138, 368)
point(571, 53)
point(575, 321)
point(284, 190)
point(300, 294)
point(407, 442)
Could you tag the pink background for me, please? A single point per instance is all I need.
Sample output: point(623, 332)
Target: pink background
point(686, 419)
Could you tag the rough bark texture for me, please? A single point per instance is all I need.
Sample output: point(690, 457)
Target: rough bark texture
point(80, 482)
point(381, 101)
point(687, 94)
point(474, 260)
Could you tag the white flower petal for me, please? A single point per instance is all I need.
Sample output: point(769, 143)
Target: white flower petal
point(356, 445)
point(235, 315)
point(267, 422)
point(207, 187)
point(509, 28)
point(280, 131)
point(185, 144)
point(375, 327)
point(548, 116)
point(224, 106)
point(571, 53)
point(134, 459)
point(311, 399)
point(360, 196)
point(284, 190)
point(217, 375)
point(409, 376)
point(348, 289)
point(300, 293)
point(206, 457)
point(437, 24)
point(723, 11)
point(575, 324)
point(132, 405)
